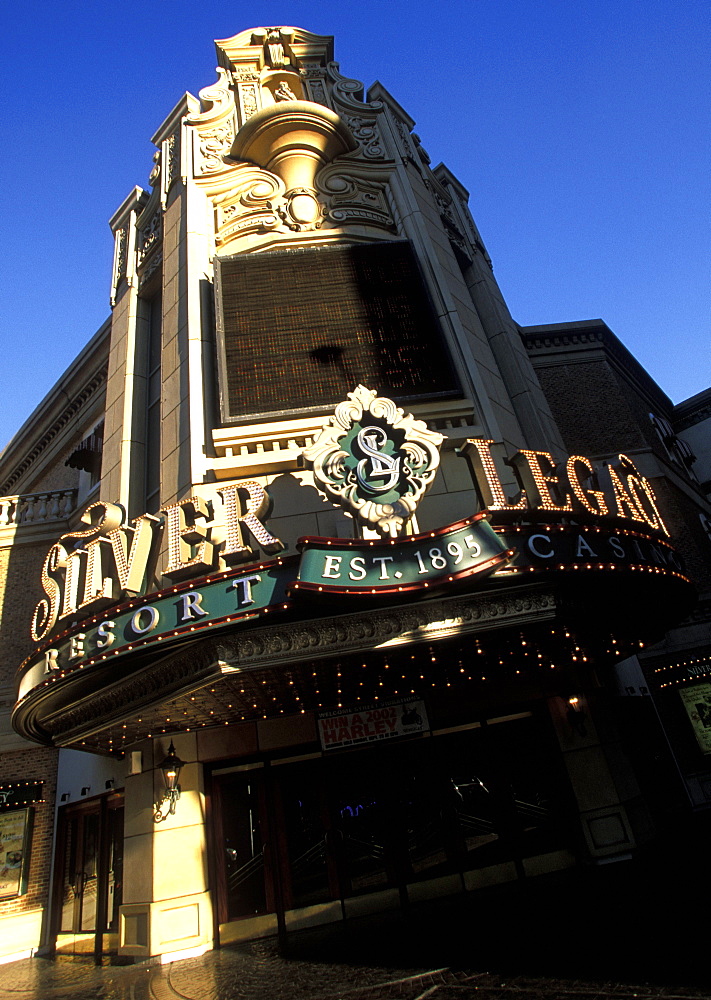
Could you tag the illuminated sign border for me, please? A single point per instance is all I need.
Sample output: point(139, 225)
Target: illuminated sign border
point(539, 549)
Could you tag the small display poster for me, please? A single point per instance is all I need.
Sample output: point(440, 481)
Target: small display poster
point(697, 702)
point(371, 723)
point(15, 827)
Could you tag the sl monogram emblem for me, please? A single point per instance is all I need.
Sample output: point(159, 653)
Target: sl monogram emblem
point(370, 441)
point(375, 460)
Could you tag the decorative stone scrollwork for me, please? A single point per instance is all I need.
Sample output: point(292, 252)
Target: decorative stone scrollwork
point(148, 237)
point(215, 123)
point(172, 167)
point(215, 99)
point(421, 151)
point(154, 263)
point(154, 176)
point(248, 205)
point(365, 130)
point(404, 136)
point(121, 254)
point(355, 199)
point(245, 73)
point(215, 144)
point(348, 92)
point(248, 99)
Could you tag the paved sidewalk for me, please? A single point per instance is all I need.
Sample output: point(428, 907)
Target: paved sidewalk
point(632, 932)
point(257, 972)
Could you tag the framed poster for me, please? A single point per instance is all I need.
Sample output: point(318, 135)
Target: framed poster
point(697, 702)
point(15, 832)
point(372, 723)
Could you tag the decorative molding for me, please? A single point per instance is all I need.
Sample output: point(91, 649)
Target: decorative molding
point(148, 237)
point(104, 702)
point(365, 130)
point(215, 144)
point(314, 77)
point(120, 260)
point(354, 195)
point(78, 402)
point(215, 124)
point(276, 46)
point(154, 263)
point(404, 136)
point(216, 100)
point(543, 343)
point(353, 633)
point(348, 93)
point(689, 418)
point(249, 99)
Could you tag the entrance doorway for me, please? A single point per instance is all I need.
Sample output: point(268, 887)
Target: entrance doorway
point(88, 877)
point(409, 820)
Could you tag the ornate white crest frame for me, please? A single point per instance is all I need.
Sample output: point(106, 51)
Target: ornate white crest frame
point(414, 468)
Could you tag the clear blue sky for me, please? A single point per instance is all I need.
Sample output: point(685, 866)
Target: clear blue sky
point(580, 128)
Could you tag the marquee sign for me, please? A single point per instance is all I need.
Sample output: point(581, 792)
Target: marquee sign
point(348, 570)
point(356, 566)
point(99, 580)
point(161, 618)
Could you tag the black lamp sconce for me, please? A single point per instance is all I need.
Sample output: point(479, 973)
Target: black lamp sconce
point(170, 766)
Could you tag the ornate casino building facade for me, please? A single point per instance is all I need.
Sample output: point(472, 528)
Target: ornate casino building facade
point(327, 588)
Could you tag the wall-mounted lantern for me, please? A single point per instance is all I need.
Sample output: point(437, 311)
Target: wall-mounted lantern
point(577, 715)
point(170, 766)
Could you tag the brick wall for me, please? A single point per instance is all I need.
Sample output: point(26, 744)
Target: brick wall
point(34, 764)
point(681, 516)
point(592, 407)
point(20, 590)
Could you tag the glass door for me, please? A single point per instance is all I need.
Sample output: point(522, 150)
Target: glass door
point(243, 856)
point(88, 882)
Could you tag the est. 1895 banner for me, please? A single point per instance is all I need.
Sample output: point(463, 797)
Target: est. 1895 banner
point(359, 566)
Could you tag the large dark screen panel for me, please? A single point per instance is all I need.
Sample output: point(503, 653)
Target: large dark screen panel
point(301, 328)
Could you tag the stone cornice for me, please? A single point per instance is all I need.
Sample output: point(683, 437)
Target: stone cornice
point(72, 393)
point(549, 343)
point(693, 411)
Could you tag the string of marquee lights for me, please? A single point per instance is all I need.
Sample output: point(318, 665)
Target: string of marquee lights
point(702, 671)
point(18, 786)
point(179, 630)
point(448, 666)
point(507, 571)
point(551, 529)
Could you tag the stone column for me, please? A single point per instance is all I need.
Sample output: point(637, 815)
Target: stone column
point(167, 909)
point(613, 816)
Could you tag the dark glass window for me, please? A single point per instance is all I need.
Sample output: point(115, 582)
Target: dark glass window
point(301, 328)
